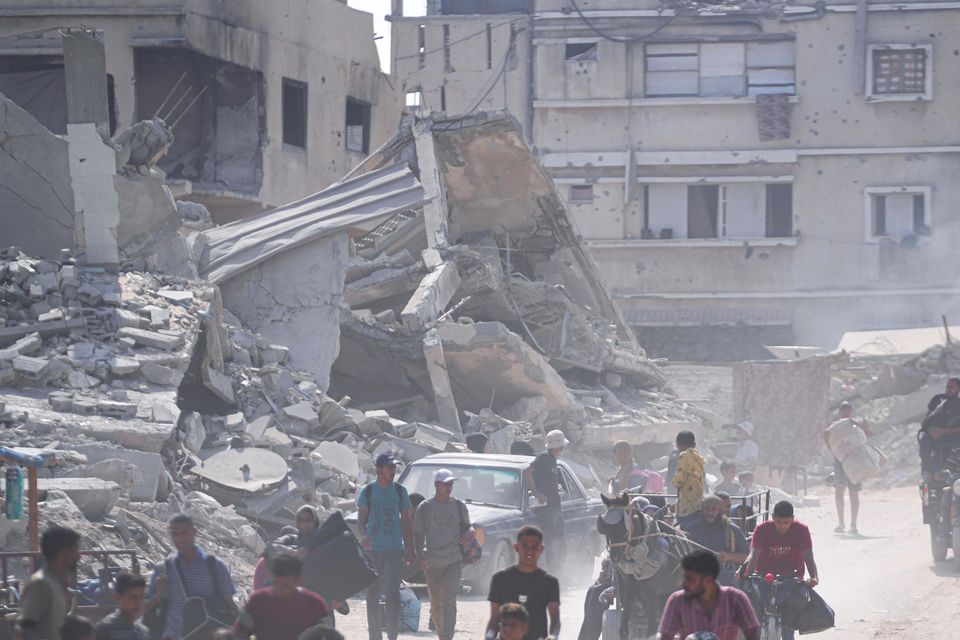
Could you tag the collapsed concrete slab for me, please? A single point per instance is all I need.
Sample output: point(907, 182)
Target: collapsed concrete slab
point(150, 466)
point(490, 366)
point(94, 497)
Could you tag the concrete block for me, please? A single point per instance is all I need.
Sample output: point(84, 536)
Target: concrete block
point(84, 407)
point(30, 367)
point(24, 346)
point(127, 318)
point(338, 456)
point(50, 316)
point(154, 339)
point(121, 366)
point(193, 433)
point(160, 374)
point(130, 433)
point(431, 258)
point(80, 380)
point(94, 497)
point(431, 297)
point(176, 296)
point(159, 316)
point(114, 409)
point(220, 384)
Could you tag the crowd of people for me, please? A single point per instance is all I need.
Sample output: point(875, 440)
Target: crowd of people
point(190, 594)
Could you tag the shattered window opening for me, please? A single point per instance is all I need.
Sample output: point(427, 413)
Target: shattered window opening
point(581, 51)
point(899, 71)
point(726, 69)
point(581, 193)
point(358, 125)
point(897, 212)
point(295, 113)
point(704, 211)
point(422, 46)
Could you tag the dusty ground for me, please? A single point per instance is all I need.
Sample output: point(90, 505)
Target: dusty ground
point(882, 585)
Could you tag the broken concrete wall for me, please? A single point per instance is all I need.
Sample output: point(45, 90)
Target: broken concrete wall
point(36, 200)
point(148, 234)
point(293, 298)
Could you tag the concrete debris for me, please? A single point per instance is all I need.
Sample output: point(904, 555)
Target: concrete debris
point(470, 306)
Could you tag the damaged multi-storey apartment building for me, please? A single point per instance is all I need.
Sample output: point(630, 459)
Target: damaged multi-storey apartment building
point(268, 105)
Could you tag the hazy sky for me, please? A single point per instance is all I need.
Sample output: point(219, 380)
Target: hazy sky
point(379, 9)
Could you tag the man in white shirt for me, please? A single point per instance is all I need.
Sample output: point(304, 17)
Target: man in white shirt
point(747, 450)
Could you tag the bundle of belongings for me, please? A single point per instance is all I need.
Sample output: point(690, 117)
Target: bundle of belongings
point(801, 608)
point(336, 567)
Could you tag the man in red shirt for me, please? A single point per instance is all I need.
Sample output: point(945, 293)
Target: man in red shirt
point(783, 547)
point(284, 610)
point(704, 605)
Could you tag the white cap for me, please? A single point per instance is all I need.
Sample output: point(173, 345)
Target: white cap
point(556, 440)
point(747, 427)
point(443, 475)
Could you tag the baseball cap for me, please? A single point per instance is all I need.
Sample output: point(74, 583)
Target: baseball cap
point(747, 426)
point(443, 475)
point(385, 459)
point(556, 440)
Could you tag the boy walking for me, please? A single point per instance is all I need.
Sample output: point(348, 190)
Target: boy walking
point(527, 584)
point(129, 591)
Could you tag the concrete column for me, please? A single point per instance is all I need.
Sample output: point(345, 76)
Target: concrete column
point(432, 296)
point(93, 164)
point(447, 412)
point(435, 211)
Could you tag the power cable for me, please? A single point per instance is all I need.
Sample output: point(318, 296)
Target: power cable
point(607, 36)
point(458, 41)
point(492, 82)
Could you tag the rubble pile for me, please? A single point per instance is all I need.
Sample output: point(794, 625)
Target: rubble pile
point(892, 394)
point(378, 315)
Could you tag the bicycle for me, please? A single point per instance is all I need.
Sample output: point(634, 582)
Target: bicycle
point(765, 591)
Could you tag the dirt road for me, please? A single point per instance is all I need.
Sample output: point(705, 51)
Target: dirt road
point(882, 584)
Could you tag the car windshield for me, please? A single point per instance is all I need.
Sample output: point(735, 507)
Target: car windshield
point(474, 484)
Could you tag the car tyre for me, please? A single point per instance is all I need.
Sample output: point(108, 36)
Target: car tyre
point(500, 560)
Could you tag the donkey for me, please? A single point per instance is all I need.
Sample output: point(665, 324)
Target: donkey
point(646, 569)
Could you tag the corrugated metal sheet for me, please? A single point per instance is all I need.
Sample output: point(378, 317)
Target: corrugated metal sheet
point(238, 246)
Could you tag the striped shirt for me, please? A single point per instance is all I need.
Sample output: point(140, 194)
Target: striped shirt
point(733, 614)
point(198, 583)
point(116, 627)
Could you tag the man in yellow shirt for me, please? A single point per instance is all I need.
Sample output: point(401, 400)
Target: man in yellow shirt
point(688, 480)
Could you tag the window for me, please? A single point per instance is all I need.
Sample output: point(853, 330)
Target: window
point(294, 113)
point(581, 193)
point(414, 98)
point(899, 72)
point(740, 210)
point(897, 211)
point(422, 45)
point(568, 487)
point(581, 51)
point(719, 69)
point(358, 125)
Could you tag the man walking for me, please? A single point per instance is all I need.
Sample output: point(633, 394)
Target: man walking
point(783, 547)
point(45, 601)
point(443, 523)
point(747, 450)
point(689, 478)
point(189, 573)
point(528, 585)
point(714, 531)
point(384, 518)
point(543, 478)
point(704, 605)
point(846, 427)
point(284, 610)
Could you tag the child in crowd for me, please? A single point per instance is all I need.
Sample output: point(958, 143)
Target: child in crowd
point(123, 624)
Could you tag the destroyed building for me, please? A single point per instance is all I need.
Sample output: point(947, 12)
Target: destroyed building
point(723, 161)
point(441, 289)
point(281, 102)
